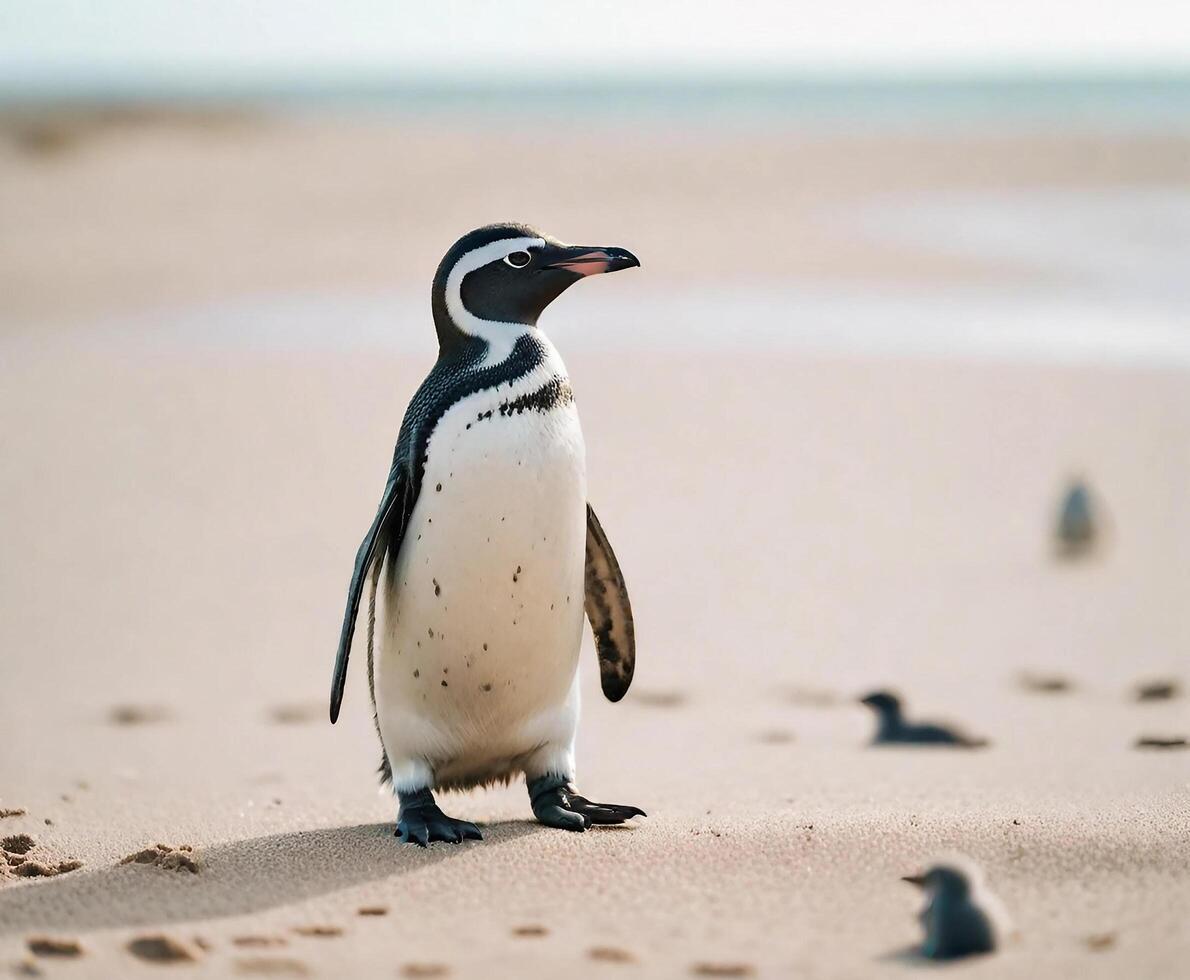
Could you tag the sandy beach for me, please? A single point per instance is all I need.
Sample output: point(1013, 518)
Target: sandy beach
point(797, 527)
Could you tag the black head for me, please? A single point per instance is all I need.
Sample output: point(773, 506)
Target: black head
point(884, 702)
point(497, 280)
point(944, 880)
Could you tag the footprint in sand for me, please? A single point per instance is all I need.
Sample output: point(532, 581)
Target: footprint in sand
point(610, 954)
point(723, 970)
point(139, 714)
point(181, 858)
point(1162, 742)
point(659, 699)
point(15, 859)
point(297, 714)
point(271, 966)
point(318, 932)
point(1155, 690)
point(54, 946)
point(259, 942)
point(1045, 683)
point(162, 949)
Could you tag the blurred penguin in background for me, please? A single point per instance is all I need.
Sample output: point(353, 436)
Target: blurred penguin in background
point(893, 729)
point(1077, 532)
point(961, 917)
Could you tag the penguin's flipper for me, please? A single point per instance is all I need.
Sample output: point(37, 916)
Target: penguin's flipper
point(386, 532)
point(609, 611)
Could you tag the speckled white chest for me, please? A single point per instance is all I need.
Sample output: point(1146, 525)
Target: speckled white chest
point(480, 616)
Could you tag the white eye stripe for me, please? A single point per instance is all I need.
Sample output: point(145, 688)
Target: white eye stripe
point(500, 336)
point(518, 259)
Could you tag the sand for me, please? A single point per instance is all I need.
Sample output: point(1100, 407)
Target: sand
point(796, 529)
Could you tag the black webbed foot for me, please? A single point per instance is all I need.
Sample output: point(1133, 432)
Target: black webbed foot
point(556, 804)
point(421, 822)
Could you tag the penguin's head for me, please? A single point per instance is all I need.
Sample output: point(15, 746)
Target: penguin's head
point(884, 702)
point(496, 281)
point(942, 879)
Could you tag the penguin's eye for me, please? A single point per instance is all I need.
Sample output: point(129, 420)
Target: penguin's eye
point(518, 260)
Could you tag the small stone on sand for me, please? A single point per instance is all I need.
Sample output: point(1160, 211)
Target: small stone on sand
point(162, 949)
point(54, 946)
point(374, 910)
point(530, 931)
point(1101, 941)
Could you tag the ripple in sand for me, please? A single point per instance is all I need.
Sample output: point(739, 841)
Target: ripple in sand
point(54, 946)
point(162, 949)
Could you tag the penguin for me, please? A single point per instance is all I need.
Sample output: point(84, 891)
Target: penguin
point(892, 728)
point(485, 553)
point(1076, 530)
point(960, 916)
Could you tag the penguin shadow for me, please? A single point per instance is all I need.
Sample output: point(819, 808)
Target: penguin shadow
point(236, 878)
point(911, 957)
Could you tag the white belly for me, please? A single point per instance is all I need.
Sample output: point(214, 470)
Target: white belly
point(481, 615)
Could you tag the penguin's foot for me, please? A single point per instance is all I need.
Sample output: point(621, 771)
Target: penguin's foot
point(556, 804)
point(419, 821)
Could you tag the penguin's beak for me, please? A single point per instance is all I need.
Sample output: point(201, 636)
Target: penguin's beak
point(918, 880)
point(583, 260)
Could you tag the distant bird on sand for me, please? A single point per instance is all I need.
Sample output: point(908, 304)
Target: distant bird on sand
point(1076, 532)
point(485, 553)
point(893, 729)
point(960, 915)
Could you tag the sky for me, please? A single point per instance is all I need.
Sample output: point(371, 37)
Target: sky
point(527, 39)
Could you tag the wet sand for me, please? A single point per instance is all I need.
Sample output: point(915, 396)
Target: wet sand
point(796, 530)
